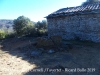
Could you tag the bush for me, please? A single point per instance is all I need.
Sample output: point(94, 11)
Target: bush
point(43, 32)
point(22, 26)
point(10, 35)
point(41, 25)
point(40, 29)
point(2, 34)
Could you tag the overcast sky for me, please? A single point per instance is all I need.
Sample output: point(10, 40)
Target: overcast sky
point(36, 10)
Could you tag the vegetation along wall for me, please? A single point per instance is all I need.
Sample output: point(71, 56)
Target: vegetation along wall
point(83, 27)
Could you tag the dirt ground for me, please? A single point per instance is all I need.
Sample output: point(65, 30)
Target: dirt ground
point(82, 59)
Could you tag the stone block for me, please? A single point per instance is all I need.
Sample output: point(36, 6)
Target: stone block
point(56, 39)
point(44, 42)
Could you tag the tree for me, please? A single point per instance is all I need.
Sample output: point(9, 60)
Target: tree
point(90, 2)
point(44, 22)
point(41, 25)
point(22, 25)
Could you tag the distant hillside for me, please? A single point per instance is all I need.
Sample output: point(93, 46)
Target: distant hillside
point(6, 24)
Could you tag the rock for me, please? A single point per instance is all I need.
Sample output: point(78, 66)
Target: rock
point(54, 42)
point(67, 45)
point(57, 40)
point(51, 51)
point(36, 53)
point(44, 42)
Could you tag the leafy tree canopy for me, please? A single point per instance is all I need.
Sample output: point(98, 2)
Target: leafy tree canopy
point(41, 25)
point(22, 25)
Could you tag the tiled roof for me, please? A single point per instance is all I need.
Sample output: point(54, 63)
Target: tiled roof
point(85, 9)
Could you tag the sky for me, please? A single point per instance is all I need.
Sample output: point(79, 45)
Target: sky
point(35, 10)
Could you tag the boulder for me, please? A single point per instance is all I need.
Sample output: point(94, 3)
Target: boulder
point(44, 42)
point(57, 40)
point(35, 53)
point(53, 41)
point(51, 51)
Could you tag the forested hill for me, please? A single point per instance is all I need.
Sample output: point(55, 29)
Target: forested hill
point(4, 23)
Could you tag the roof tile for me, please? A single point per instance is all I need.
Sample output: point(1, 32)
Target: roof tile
point(76, 10)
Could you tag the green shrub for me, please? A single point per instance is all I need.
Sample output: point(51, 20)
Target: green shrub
point(2, 34)
point(22, 25)
point(43, 31)
point(10, 35)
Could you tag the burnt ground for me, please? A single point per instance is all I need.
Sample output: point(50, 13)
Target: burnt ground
point(83, 58)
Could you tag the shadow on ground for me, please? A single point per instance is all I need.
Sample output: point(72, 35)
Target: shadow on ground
point(79, 59)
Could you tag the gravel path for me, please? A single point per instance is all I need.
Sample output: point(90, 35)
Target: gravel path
point(13, 65)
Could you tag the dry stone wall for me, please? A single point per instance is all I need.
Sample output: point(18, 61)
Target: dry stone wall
point(84, 27)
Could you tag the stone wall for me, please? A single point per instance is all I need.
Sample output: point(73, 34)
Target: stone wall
point(84, 27)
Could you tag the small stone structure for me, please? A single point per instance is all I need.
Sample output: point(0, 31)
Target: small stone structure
point(49, 42)
point(81, 22)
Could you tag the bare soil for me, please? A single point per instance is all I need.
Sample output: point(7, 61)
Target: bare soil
point(82, 59)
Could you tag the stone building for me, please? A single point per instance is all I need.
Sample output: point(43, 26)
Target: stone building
point(82, 22)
